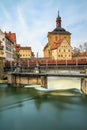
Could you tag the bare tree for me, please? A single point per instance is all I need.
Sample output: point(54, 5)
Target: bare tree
point(76, 50)
point(83, 47)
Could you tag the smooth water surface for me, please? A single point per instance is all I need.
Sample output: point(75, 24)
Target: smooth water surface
point(29, 109)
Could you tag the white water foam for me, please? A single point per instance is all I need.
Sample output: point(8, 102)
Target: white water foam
point(63, 83)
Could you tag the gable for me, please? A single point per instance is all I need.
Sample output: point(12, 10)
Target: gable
point(64, 43)
point(61, 43)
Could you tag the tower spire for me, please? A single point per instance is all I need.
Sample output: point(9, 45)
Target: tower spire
point(58, 20)
point(58, 14)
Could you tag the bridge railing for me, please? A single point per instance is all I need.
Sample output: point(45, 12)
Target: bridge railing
point(47, 68)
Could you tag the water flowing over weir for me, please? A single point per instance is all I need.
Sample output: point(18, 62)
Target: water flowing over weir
point(64, 83)
point(61, 87)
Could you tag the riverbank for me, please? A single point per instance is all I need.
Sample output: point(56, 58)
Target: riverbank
point(3, 77)
point(3, 81)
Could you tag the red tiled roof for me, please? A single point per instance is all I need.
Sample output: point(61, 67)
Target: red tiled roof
point(25, 48)
point(17, 45)
point(11, 36)
point(57, 44)
point(80, 54)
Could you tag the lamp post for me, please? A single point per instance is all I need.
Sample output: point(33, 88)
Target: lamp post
point(37, 65)
point(37, 60)
point(66, 61)
point(28, 64)
point(76, 61)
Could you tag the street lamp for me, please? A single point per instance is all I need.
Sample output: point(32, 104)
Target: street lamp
point(37, 70)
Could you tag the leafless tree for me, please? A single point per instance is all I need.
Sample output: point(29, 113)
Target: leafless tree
point(76, 50)
point(83, 47)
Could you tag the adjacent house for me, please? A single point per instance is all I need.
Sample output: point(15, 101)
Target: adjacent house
point(26, 52)
point(7, 45)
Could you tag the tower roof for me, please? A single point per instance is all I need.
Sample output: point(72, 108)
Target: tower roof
point(11, 36)
point(59, 29)
point(58, 17)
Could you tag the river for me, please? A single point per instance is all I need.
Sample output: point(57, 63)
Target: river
point(29, 109)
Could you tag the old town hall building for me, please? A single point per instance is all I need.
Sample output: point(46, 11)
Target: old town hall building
point(59, 43)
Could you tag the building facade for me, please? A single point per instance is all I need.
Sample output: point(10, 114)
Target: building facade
point(1, 44)
point(26, 52)
point(7, 46)
point(61, 50)
point(59, 43)
point(12, 45)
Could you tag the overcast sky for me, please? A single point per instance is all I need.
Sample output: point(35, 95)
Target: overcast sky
point(31, 20)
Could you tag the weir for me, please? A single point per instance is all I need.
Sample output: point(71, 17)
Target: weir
point(21, 79)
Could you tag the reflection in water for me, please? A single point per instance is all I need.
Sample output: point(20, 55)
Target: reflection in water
point(13, 98)
point(64, 96)
point(26, 108)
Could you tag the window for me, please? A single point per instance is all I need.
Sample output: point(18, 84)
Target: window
point(68, 50)
point(59, 50)
point(56, 38)
point(8, 49)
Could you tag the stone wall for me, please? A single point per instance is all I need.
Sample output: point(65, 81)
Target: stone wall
point(84, 85)
point(16, 80)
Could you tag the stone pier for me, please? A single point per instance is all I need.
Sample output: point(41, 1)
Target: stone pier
point(84, 85)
